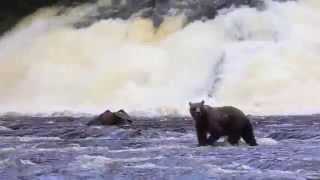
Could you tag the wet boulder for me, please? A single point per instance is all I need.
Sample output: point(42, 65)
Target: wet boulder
point(109, 118)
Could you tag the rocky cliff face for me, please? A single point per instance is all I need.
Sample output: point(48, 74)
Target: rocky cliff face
point(11, 11)
point(157, 9)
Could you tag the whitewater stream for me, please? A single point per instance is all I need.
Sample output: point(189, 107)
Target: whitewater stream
point(64, 148)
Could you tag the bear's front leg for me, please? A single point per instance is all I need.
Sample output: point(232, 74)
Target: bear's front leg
point(202, 137)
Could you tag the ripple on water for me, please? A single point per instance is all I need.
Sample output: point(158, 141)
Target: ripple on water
point(36, 138)
point(112, 153)
point(101, 162)
point(154, 166)
point(3, 128)
point(266, 141)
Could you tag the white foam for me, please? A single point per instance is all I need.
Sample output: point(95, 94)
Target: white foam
point(154, 166)
point(8, 149)
point(214, 170)
point(26, 162)
point(34, 138)
point(2, 128)
point(91, 162)
point(5, 162)
point(266, 141)
point(160, 147)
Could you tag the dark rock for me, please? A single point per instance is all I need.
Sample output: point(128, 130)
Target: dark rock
point(12, 11)
point(111, 118)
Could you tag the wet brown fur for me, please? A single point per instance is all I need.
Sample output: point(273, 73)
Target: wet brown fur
point(221, 121)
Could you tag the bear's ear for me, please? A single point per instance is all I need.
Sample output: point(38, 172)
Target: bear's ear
point(202, 102)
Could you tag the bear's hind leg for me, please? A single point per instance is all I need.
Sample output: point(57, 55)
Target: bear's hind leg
point(213, 138)
point(248, 136)
point(233, 139)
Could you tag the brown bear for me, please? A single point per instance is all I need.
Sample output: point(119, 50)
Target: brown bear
point(111, 118)
point(221, 121)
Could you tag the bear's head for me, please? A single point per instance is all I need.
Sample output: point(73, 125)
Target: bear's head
point(196, 109)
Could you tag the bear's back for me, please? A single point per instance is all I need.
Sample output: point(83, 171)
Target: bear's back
point(231, 111)
point(228, 117)
point(223, 111)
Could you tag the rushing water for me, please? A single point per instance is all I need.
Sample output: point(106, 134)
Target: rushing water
point(265, 62)
point(64, 148)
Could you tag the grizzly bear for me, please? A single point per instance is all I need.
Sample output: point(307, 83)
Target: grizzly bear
point(111, 118)
point(221, 121)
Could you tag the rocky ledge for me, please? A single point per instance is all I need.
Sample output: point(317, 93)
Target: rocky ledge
point(11, 11)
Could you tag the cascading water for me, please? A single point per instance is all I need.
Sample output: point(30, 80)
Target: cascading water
point(265, 62)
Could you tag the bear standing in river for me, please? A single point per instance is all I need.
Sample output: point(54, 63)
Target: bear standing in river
point(221, 121)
